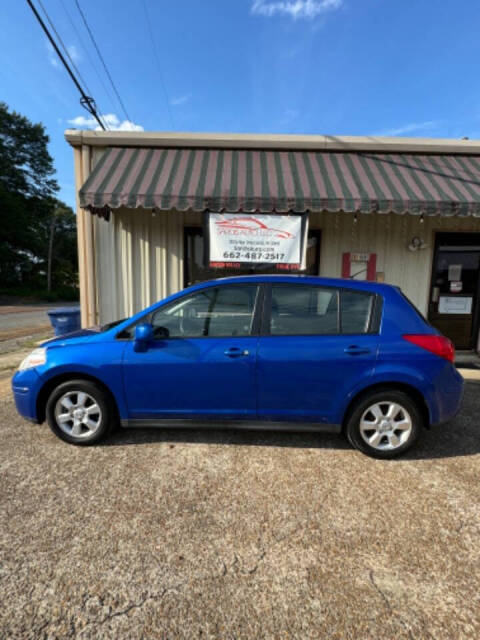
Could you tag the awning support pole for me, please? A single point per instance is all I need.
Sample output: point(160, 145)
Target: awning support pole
point(89, 248)
point(85, 242)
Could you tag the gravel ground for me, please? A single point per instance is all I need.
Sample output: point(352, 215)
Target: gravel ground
point(210, 534)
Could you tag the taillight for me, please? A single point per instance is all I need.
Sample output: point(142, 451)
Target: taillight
point(439, 345)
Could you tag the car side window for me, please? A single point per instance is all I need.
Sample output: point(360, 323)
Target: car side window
point(304, 310)
point(355, 311)
point(211, 312)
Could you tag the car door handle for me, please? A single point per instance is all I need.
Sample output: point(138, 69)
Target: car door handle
point(236, 352)
point(355, 350)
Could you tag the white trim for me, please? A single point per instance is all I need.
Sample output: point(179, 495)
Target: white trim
point(271, 141)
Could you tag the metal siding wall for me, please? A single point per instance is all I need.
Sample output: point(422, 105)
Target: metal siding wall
point(387, 235)
point(140, 259)
point(140, 255)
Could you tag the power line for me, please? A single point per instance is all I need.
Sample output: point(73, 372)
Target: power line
point(67, 53)
point(65, 50)
point(101, 59)
point(159, 66)
point(86, 101)
point(87, 51)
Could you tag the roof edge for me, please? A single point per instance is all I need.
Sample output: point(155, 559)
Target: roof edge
point(78, 137)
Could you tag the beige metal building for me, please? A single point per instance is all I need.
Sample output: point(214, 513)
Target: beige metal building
point(400, 210)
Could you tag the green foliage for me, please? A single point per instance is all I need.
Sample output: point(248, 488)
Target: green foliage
point(11, 295)
point(29, 211)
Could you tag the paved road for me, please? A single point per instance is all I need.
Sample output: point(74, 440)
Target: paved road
point(210, 534)
point(27, 316)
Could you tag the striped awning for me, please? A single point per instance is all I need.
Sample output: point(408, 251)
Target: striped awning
point(270, 181)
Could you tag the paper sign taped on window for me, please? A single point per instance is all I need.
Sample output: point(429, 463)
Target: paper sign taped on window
point(455, 304)
point(456, 286)
point(455, 272)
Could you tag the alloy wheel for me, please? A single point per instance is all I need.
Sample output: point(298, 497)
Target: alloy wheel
point(78, 414)
point(386, 426)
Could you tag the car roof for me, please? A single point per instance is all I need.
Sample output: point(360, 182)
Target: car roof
point(362, 285)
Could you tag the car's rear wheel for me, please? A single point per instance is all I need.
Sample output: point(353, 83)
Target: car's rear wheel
point(384, 424)
point(79, 412)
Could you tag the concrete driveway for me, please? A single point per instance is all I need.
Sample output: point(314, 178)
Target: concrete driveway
point(210, 534)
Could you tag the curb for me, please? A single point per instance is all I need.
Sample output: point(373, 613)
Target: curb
point(470, 374)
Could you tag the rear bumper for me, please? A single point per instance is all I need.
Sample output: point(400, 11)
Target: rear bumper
point(448, 397)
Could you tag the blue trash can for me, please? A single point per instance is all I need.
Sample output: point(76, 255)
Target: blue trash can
point(64, 320)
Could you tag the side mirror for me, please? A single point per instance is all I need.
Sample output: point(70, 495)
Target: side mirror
point(143, 335)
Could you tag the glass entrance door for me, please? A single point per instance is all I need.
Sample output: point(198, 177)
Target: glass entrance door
point(454, 295)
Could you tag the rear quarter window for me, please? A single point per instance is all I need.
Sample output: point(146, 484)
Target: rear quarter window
point(303, 310)
point(318, 310)
point(356, 308)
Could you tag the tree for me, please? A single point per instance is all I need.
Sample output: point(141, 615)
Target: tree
point(30, 213)
point(62, 247)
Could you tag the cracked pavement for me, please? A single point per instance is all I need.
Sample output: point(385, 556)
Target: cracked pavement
point(216, 534)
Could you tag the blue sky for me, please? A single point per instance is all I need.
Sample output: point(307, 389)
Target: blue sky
point(344, 67)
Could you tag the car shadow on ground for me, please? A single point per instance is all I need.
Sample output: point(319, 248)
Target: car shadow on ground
point(459, 437)
point(456, 438)
point(238, 437)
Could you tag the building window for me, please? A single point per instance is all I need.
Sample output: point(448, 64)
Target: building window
point(196, 271)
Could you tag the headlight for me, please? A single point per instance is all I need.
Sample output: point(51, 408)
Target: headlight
point(34, 359)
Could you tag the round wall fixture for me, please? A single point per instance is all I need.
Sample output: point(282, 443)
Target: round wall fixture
point(416, 244)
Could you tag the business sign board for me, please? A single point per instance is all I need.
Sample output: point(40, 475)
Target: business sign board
point(246, 241)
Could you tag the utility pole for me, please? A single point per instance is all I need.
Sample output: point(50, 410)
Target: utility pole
point(50, 251)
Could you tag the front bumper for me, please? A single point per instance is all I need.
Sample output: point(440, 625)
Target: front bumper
point(25, 388)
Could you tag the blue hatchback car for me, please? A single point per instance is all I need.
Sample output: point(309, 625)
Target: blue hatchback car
point(267, 352)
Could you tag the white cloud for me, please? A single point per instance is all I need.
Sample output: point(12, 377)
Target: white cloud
point(83, 121)
point(180, 100)
point(52, 56)
point(289, 115)
point(294, 8)
point(289, 54)
point(111, 120)
point(73, 53)
point(411, 127)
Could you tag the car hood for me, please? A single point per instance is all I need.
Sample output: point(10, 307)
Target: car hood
point(82, 335)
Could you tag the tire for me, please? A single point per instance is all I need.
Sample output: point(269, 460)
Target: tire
point(80, 412)
point(384, 424)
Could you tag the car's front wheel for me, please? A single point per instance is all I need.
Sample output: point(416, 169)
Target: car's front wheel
point(384, 424)
point(79, 412)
